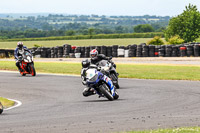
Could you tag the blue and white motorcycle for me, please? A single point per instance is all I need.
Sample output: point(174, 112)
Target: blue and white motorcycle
point(101, 83)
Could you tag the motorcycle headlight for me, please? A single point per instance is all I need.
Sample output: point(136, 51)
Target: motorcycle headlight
point(29, 58)
point(94, 78)
point(105, 68)
point(25, 60)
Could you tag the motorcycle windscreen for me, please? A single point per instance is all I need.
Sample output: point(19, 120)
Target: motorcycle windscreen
point(27, 57)
point(104, 65)
point(90, 73)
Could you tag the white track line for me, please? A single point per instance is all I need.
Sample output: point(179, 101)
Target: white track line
point(18, 103)
point(56, 74)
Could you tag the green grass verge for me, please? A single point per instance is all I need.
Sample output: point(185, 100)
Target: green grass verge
point(88, 42)
point(176, 130)
point(6, 103)
point(140, 71)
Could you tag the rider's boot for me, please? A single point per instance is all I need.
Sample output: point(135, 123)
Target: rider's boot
point(20, 70)
point(88, 92)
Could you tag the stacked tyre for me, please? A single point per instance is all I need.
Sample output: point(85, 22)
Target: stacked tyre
point(109, 51)
point(156, 54)
point(73, 49)
point(175, 51)
point(139, 51)
point(183, 51)
point(48, 53)
point(190, 50)
point(55, 52)
point(103, 50)
point(52, 52)
point(98, 48)
point(60, 52)
point(132, 50)
point(168, 51)
point(87, 52)
point(151, 51)
point(33, 50)
point(161, 52)
point(43, 52)
point(72, 55)
point(77, 52)
point(38, 52)
point(145, 51)
point(196, 50)
point(114, 50)
point(121, 51)
point(66, 50)
point(82, 52)
point(92, 47)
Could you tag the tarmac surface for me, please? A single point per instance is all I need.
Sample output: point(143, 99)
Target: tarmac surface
point(54, 104)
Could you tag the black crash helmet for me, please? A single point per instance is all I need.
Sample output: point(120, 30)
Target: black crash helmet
point(85, 63)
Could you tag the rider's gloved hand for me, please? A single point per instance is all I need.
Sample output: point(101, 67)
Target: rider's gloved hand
point(20, 58)
point(98, 68)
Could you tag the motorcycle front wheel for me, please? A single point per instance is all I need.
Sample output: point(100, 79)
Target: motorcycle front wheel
point(105, 91)
point(32, 68)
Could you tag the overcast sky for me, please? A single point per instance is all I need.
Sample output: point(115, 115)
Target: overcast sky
point(100, 7)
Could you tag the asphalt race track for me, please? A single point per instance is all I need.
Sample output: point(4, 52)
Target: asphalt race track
point(54, 104)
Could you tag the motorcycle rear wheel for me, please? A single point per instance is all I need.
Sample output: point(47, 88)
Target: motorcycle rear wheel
point(104, 90)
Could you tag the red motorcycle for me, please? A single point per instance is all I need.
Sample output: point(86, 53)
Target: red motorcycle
point(27, 65)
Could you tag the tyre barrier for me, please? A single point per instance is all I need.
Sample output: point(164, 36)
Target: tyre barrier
point(141, 50)
point(126, 53)
point(6, 53)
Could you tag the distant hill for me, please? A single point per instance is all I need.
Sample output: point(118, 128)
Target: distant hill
point(45, 24)
point(17, 15)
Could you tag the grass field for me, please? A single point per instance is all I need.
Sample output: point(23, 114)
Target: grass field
point(139, 71)
point(6, 103)
point(89, 42)
point(176, 130)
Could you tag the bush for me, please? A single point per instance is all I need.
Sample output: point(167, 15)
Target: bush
point(175, 40)
point(156, 41)
point(37, 46)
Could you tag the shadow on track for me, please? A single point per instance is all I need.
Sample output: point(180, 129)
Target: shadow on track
point(104, 100)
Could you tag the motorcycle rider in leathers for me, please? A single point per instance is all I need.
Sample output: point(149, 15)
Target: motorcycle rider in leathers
point(95, 58)
point(18, 52)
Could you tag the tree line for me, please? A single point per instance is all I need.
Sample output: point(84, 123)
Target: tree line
point(182, 28)
point(70, 25)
